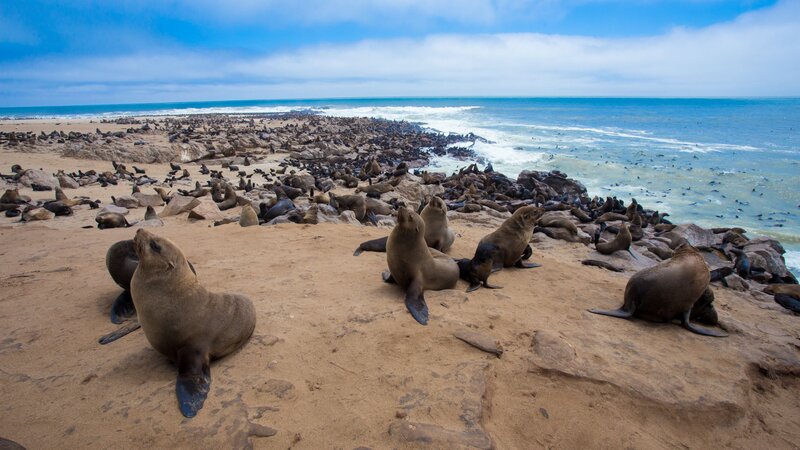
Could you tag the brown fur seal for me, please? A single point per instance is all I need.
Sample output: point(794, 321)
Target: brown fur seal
point(611, 216)
point(121, 262)
point(355, 203)
point(248, 217)
point(621, 242)
point(673, 289)
point(505, 247)
point(111, 220)
point(184, 321)
point(150, 214)
point(558, 222)
point(230, 198)
point(414, 266)
point(437, 234)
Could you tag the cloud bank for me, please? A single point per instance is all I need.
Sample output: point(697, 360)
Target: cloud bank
point(755, 55)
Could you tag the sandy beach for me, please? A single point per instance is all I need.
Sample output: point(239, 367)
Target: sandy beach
point(335, 360)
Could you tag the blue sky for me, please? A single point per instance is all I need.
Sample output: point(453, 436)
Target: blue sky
point(93, 51)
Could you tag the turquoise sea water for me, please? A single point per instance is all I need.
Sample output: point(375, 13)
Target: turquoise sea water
point(711, 161)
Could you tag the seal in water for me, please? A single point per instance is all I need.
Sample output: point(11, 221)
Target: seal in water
point(414, 266)
point(671, 290)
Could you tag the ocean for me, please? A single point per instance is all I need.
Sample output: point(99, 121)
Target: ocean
point(715, 162)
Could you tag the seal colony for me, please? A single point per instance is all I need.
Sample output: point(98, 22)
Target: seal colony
point(306, 181)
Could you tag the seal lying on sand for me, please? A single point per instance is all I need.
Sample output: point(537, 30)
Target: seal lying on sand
point(414, 266)
point(505, 247)
point(183, 320)
point(671, 290)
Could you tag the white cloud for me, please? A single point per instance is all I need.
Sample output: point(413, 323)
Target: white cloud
point(755, 55)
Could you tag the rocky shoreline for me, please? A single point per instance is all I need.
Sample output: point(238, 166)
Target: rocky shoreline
point(335, 357)
point(317, 154)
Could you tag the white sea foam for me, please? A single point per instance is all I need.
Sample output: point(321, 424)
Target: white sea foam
point(792, 259)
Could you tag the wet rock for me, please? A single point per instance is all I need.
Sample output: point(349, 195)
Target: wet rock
point(483, 342)
point(179, 204)
point(551, 184)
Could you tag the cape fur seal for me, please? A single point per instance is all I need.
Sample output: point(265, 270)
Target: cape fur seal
point(414, 266)
point(184, 321)
point(437, 233)
point(121, 262)
point(621, 242)
point(673, 289)
point(505, 247)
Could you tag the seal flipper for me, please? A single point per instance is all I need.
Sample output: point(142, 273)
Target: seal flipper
point(374, 245)
point(120, 332)
point(526, 265)
point(415, 302)
point(387, 277)
point(491, 286)
point(122, 309)
point(622, 313)
point(629, 251)
point(698, 329)
point(788, 302)
point(194, 380)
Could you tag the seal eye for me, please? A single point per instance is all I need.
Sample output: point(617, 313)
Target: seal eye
point(154, 245)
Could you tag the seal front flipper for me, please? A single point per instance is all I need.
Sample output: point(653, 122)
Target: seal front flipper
point(194, 380)
point(387, 277)
point(698, 329)
point(415, 302)
point(788, 302)
point(526, 265)
point(120, 332)
point(122, 309)
point(622, 313)
point(374, 245)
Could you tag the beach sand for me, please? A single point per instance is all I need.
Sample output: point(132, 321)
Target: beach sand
point(336, 361)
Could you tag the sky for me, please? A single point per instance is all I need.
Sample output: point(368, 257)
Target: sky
point(103, 52)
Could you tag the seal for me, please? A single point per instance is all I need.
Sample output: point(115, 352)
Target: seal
point(673, 289)
point(437, 233)
point(183, 320)
point(621, 242)
point(229, 201)
point(505, 247)
point(248, 217)
point(111, 220)
point(121, 262)
point(414, 266)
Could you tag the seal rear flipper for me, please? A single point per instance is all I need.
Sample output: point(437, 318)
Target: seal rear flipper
point(194, 380)
point(122, 309)
point(629, 251)
point(373, 219)
point(491, 286)
point(788, 302)
point(621, 313)
point(698, 329)
point(374, 245)
point(526, 265)
point(415, 302)
point(387, 277)
point(474, 286)
point(120, 332)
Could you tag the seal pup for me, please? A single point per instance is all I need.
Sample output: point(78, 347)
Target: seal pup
point(182, 320)
point(621, 242)
point(248, 217)
point(414, 266)
point(437, 233)
point(668, 291)
point(505, 247)
point(111, 220)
